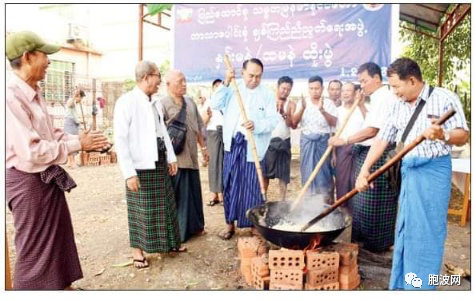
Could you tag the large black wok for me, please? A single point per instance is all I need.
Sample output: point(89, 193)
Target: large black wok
point(264, 217)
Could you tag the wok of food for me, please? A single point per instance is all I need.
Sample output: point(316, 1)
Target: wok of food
point(281, 226)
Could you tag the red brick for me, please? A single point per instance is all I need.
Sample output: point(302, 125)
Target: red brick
point(246, 273)
point(105, 159)
point(261, 283)
point(284, 287)
point(248, 247)
point(262, 248)
point(323, 276)
point(317, 260)
point(94, 160)
point(113, 156)
point(352, 285)
point(287, 276)
point(286, 259)
point(325, 287)
point(259, 266)
point(84, 159)
point(348, 252)
point(346, 278)
point(346, 269)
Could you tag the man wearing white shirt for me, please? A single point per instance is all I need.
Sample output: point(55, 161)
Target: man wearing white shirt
point(147, 160)
point(318, 118)
point(375, 210)
point(343, 157)
point(214, 121)
point(426, 172)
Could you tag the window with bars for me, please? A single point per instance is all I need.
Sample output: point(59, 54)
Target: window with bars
point(58, 83)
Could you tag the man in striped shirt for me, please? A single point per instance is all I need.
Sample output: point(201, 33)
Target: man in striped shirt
point(426, 171)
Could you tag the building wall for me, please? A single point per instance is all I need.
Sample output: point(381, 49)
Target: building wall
point(111, 29)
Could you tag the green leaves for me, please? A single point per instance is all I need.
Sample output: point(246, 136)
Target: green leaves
point(456, 58)
point(154, 9)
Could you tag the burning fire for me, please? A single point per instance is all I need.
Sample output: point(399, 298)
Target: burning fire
point(314, 243)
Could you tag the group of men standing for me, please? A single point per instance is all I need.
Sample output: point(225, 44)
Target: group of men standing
point(164, 198)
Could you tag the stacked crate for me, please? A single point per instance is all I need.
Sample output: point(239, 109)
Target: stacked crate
point(322, 270)
point(349, 277)
point(286, 269)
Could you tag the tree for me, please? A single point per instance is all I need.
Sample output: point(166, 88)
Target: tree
point(456, 58)
point(129, 84)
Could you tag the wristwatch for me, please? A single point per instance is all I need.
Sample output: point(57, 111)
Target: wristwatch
point(447, 136)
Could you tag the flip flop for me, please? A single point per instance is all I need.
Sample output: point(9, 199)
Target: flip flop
point(143, 261)
point(227, 234)
point(180, 250)
point(213, 203)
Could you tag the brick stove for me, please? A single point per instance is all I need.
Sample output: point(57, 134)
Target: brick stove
point(332, 267)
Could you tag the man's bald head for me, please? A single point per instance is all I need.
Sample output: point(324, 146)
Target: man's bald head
point(176, 83)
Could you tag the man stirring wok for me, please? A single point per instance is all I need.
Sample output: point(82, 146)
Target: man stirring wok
point(426, 172)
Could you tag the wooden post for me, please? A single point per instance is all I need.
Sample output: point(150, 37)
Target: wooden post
point(95, 110)
point(464, 213)
point(440, 62)
point(8, 275)
point(141, 30)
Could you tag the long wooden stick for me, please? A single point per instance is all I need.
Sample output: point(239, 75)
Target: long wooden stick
point(8, 276)
point(82, 114)
point(249, 133)
point(323, 158)
point(378, 172)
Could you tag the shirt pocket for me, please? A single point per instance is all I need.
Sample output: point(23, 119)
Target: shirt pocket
point(432, 111)
point(258, 113)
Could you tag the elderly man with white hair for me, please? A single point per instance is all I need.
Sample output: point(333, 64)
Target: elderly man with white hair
point(187, 189)
point(147, 162)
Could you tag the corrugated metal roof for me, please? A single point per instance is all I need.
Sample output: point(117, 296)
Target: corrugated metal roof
point(427, 16)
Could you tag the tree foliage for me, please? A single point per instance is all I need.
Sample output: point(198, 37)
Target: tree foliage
point(129, 84)
point(157, 8)
point(456, 58)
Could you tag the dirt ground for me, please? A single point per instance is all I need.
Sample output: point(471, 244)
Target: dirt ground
point(99, 214)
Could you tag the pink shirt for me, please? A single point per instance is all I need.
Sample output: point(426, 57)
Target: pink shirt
point(32, 144)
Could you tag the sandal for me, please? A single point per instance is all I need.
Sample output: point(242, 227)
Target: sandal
point(213, 202)
point(226, 234)
point(143, 261)
point(180, 249)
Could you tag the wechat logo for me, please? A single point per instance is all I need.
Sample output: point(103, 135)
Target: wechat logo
point(411, 278)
